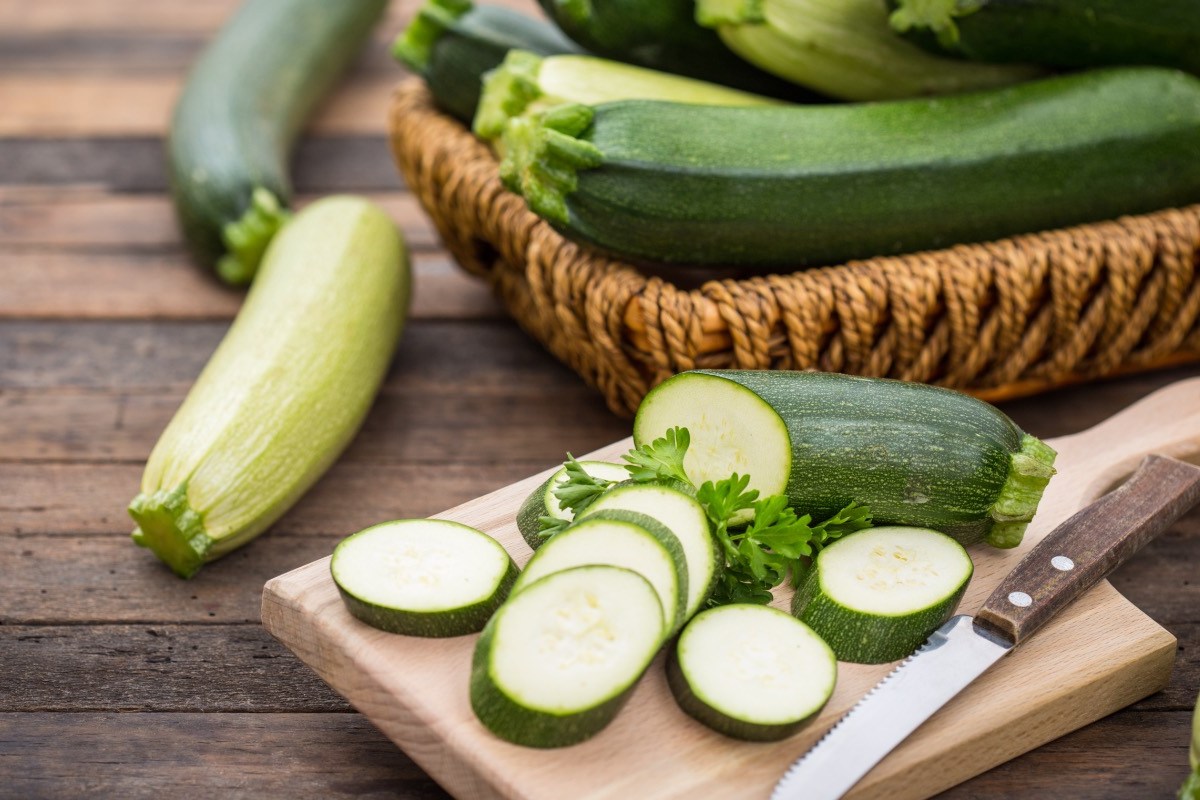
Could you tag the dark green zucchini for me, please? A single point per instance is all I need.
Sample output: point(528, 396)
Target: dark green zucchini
point(452, 43)
point(916, 454)
point(243, 105)
point(1057, 33)
point(807, 185)
point(663, 35)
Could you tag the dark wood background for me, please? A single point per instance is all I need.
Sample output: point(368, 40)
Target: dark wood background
point(119, 680)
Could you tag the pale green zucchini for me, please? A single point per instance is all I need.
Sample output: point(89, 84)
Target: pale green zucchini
point(286, 389)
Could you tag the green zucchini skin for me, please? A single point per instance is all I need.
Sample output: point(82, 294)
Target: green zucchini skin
point(663, 35)
point(243, 105)
point(772, 188)
point(452, 43)
point(1069, 34)
point(918, 455)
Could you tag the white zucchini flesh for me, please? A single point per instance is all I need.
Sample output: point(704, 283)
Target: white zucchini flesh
point(424, 577)
point(597, 469)
point(558, 660)
point(752, 671)
point(617, 543)
point(732, 430)
point(684, 517)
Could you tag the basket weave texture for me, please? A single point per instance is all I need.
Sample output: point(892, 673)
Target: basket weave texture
point(999, 320)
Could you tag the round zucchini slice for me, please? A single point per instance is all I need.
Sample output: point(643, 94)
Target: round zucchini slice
point(542, 502)
point(558, 660)
point(619, 539)
point(751, 672)
point(876, 595)
point(422, 577)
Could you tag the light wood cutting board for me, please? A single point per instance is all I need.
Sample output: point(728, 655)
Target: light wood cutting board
point(1100, 655)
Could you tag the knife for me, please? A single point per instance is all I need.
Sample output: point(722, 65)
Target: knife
point(1072, 558)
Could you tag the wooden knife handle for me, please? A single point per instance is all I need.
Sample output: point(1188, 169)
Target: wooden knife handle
point(1079, 553)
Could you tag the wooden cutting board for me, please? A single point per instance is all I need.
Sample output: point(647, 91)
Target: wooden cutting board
point(1100, 655)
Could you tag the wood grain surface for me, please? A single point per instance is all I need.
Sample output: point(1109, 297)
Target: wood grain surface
point(119, 680)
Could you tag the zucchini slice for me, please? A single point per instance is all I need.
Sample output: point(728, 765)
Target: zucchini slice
point(422, 577)
point(542, 502)
point(685, 518)
point(751, 672)
point(876, 595)
point(916, 454)
point(557, 662)
point(619, 539)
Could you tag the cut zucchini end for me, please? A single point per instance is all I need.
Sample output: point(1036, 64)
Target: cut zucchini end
point(170, 528)
point(508, 90)
point(714, 13)
point(414, 46)
point(542, 155)
point(1028, 475)
point(246, 238)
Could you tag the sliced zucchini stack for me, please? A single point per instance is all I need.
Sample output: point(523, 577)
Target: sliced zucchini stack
point(876, 595)
point(684, 517)
point(751, 672)
point(558, 660)
point(542, 502)
point(423, 577)
point(620, 539)
point(916, 454)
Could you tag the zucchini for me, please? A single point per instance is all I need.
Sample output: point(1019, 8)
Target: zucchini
point(683, 516)
point(558, 660)
point(915, 454)
point(1191, 788)
point(1058, 33)
point(845, 49)
point(422, 577)
point(542, 502)
point(526, 82)
point(876, 595)
point(242, 107)
point(751, 672)
point(286, 389)
point(707, 185)
point(619, 539)
point(662, 35)
point(452, 43)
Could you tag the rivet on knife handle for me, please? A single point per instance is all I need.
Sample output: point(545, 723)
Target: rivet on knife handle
point(1081, 552)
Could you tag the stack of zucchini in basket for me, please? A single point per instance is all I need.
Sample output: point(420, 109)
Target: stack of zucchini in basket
point(847, 129)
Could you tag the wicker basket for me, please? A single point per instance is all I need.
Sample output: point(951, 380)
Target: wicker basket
point(1000, 320)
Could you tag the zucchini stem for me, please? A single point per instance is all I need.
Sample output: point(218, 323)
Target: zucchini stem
point(1030, 471)
point(414, 47)
point(247, 238)
point(507, 91)
point(170, 527)
point(543, 155)
point(934, 15)
point(711, 13)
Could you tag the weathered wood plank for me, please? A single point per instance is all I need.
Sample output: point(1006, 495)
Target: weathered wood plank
point(151, 756)
point(153, 667)
point(136, 164)
point(143, 286)
point(88, 219)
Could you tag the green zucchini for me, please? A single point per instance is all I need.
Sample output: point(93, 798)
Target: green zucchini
point(542, 502)
point(679, 511)
point(774, 188)
point(242, 107)
point(1058, 33)
point(915, 454)
point(558, 660)
point(751, 672)
point(286, 389)
point(619, 539)
point(1191, 787)
point(876, 595)
point(452, 43)
point(526, 82)
point(422, 577)
point(845, 49)
point(662, 35)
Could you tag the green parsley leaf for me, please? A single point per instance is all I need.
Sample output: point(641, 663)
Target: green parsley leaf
point(661, 459)
point(549, 526)
point(579, 490)
point(850, 519)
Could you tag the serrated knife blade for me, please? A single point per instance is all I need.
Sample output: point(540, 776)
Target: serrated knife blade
point(1072, 558)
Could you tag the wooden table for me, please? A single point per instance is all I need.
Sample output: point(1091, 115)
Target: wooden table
point(119, 680)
